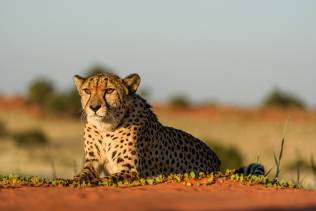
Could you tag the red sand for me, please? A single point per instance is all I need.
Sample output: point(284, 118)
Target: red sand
point(224, 195)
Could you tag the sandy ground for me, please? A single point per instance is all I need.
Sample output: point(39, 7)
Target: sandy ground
point(224, 195)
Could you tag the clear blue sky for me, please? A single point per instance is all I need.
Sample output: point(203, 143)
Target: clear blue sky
point(231, 51)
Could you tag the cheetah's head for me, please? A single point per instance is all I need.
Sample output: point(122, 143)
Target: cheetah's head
point(104, 96)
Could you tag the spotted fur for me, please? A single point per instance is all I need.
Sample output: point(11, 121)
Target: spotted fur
point(123, 138)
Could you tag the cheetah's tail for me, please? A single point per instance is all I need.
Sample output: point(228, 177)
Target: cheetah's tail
point(252, 169)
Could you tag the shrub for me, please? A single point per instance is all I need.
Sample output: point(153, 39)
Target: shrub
point(281, 99)
point(179, 101)
point(68, 102)
point(230, 157)
point(33, 137)
point(57, 103)
point(40, 91)
point(95, 69)
point(74, 101)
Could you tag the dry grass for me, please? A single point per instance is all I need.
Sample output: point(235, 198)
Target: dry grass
point(64, 151)
point(254, 133)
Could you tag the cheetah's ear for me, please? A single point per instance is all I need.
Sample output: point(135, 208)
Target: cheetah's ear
point(132, 82)
point(78, 81)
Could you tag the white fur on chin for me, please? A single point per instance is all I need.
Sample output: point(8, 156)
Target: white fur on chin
point(101, 124)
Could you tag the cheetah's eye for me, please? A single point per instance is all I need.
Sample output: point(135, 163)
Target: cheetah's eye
point(109, 91)
point(87, 91)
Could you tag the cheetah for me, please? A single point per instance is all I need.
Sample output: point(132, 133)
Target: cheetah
point(123, 137)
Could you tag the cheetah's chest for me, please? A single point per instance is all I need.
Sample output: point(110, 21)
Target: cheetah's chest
point(119, 148)
point(112, 147)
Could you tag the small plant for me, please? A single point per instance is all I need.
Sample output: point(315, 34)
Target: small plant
point(52, 165)
point(179, 101)
point(34, 137)
point(298, 175)
point(298, 168)
point(278, 159)
point(281, 99)
point(40, 90)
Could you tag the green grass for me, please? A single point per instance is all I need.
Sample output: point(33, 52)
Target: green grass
point(187, 179)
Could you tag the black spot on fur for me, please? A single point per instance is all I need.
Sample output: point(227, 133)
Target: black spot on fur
point(113, 154)
point(120, 160)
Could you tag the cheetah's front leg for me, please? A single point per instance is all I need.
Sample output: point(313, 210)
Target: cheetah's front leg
point(89, 172)
point(131, 175)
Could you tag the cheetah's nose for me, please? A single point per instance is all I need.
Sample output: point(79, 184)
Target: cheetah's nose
point(95, 108)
